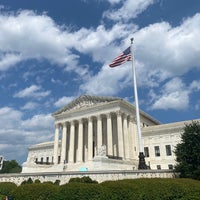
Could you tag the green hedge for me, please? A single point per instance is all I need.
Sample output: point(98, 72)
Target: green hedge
point(36, 191)
point(153, 189)
point(84, 179)
point(135, 189)
point(7, 188)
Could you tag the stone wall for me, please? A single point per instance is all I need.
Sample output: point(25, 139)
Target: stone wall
point(99, 176)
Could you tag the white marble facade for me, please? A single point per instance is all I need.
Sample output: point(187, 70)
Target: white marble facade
point(99, 133)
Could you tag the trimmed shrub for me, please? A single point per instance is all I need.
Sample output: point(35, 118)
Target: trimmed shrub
point(135, 189)
point(152, 189)
point(37, 181)
point(57, 182)
point(29, 181)
point(43, 191)
point(84, 179)
point(80, 191)
point(7, 188)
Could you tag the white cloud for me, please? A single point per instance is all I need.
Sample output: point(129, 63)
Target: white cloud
point(177, 100)
point(158, 46)
point(23, 36)
point(64, 101)
point(161, 52)
point(8, 60)
point(197, 105)
point(195, 85)
point(9, 117)
point(171, 49)
point(114, 1)
point(30, 106)
point(100, 42)
point(130, 9)
point(32, 36)
point(16, 133)
point(38, 122)
point(109, 81)
point(32, 91)
point(174, 95)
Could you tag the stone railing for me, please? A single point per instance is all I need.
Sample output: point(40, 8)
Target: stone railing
point(99, 176)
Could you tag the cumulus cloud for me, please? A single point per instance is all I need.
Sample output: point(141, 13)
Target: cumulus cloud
point(109, 81)
point(8, 60)
point(161, 52)
point(38, 122)
point(101, 42)
point(195, 85)
point(24, 36)
point(33, 91)
point(174, 49)
point(174, 95)
point(30, 106)
point(130, 9)
point(17, 133)
point(9, 117)
point(64, 101)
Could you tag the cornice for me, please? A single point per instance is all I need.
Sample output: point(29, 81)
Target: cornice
point(97, 104)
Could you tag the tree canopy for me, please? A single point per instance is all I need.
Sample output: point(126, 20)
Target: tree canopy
point(188, 152)
point(11, 167)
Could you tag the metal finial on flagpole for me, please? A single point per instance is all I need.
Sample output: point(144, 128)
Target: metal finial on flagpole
point(142, 164)
point(132, 40)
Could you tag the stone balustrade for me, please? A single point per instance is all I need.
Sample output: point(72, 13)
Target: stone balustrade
point(99, 176)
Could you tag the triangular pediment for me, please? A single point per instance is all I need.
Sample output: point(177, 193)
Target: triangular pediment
point(85, 101)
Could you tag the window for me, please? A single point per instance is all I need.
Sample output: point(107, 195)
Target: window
point(146, 151)
point(47, 159)
point(36, 160)
point(158, 167)
point(170, 166)
point(168, 150)
point(42, 160)
point(157, 151)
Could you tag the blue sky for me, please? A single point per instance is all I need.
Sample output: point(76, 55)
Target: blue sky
point(54, 51)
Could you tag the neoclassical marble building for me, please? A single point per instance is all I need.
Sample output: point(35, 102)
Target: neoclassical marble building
point(99, 133)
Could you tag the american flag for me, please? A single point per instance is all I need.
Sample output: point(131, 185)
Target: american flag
point(122, 58)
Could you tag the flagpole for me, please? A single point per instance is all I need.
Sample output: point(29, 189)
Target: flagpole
point(142, 164)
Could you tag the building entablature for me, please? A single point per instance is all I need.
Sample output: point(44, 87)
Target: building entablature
point(103, 114)
point(42, 145)
point(98, 106)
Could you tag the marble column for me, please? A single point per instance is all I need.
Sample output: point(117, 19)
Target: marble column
point(132, 140)
point(109, 135)
point(80, 141)
point(56, 143)
point(90, 138)
point(64, 143)
point(126, 138)
point(120, 135)
point(99, 132)
point(85, 141)
point(72, 142)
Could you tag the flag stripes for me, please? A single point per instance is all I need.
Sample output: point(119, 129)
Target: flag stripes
point(122, 58)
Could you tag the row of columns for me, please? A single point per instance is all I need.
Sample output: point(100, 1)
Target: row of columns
point(112, 129)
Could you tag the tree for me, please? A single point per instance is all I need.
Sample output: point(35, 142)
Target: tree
point(11, 167)
point(188, 152)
